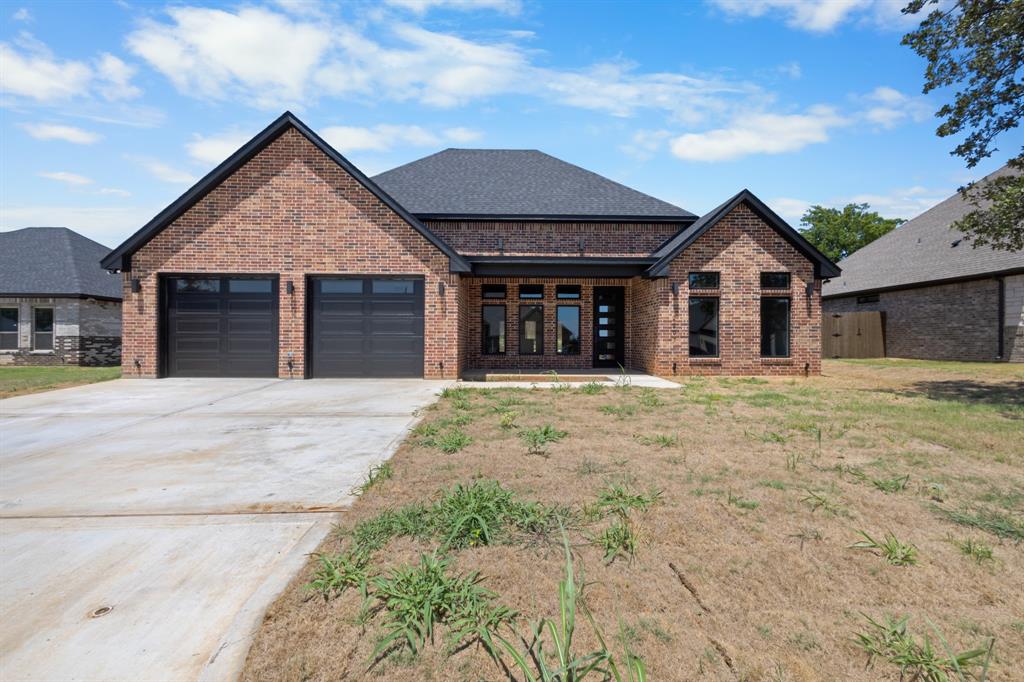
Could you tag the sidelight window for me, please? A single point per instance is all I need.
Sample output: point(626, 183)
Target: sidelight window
point(568, 340)
point(493, 329)
point(531, 330)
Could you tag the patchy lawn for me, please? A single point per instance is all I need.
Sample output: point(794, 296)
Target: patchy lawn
point(21, 380)
point(715, 527)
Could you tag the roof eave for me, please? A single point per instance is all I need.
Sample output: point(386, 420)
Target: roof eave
point(556, 217)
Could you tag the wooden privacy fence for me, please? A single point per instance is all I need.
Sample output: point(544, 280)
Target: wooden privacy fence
point(853, 335)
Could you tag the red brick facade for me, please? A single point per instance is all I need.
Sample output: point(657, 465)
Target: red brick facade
point(293, 212)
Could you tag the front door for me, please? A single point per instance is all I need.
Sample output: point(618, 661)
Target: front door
point(609, 325)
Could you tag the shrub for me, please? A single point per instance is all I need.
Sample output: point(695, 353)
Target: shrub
point(507, 421)
point(918, 660)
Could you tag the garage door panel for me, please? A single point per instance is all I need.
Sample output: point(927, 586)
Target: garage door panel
point(370, 327)
point(221, 326)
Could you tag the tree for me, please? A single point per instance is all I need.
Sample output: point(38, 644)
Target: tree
point(837, 233)
point(977, 46)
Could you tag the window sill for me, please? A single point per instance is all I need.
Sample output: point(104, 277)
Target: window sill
point(777, 361)
point(42, 352)
point(705, 361)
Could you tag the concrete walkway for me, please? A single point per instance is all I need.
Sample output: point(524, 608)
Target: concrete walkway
point(145, 525)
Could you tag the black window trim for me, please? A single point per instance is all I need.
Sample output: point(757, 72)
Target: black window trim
point(789, 279)
point(574, 292)
point(789, 328)
point(519, 339)
point(504, 328)
point(868, 298)
point(532, 297)
point(52, 332)
point(495, 288)
point(17, 327)
point(718, 324)
point(579, 332)
point(716, 273)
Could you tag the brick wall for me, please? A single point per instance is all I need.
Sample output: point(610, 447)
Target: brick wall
point(87, 332)
point(293, 212)
point(553, 239)
point(740, 247)
point(945, 322)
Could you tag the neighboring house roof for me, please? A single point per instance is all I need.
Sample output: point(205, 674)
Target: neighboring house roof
point(922, 251)
point(120, 257)
point(54, 262)
point(516, 184)
point(823, 267)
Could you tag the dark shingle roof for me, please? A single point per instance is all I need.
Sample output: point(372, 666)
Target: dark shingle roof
point(515, 183)
point(54, 261)
point(922, 250)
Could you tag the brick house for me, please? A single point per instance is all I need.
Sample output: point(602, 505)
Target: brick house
point(57, 305)
point(940, 298)
point(288, 261)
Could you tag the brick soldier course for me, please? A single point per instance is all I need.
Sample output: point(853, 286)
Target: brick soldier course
point(288, 206)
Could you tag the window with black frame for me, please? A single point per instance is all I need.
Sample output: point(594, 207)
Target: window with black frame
point(42, 328)
point(493, 329)
point(567, 291)
point(531, 330)
point(703, 280)
point(493, 291)
point(8, 329)
point(775, 327)
point(774, 280)
point(703, 327)
point(568, 339)
point(531, 291)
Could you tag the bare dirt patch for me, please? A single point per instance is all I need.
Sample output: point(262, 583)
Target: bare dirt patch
point(743, 567)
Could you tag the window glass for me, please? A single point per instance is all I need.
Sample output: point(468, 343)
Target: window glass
point(774, 280)
point(341, 286)
point(393, 286)
point(197, 286)
point(703, 327)
point(567, 291)
point(493, 330)
point(568, 340)
point(42, 328)
point(775, 327)
point(8, 328)
point(703, 280)
point(531, 330)
point(250, 286)
point(493, 291)
point(870, 298)
point(531, 291)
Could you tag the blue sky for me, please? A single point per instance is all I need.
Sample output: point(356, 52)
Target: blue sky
point(110, 110)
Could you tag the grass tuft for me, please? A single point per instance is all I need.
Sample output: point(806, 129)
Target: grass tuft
point(895, 552)
point(537, 440)
point(1001, 525)
point(916, 659)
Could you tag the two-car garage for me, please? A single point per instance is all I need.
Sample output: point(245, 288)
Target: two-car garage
point(229, 325)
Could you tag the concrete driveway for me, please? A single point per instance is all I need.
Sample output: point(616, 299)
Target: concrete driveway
point(146, 525)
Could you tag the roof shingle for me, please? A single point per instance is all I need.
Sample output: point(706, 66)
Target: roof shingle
point(54, 261)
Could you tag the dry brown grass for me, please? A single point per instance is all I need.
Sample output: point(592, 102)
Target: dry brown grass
point(780, 591)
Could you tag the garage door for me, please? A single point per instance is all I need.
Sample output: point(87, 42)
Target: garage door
point(220, 326)
point(366, 327)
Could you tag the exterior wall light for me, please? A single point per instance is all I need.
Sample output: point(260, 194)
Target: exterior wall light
point(810, 289)
point(440, 288)
point(136, 285)
point(290, 288)
point(675, 288)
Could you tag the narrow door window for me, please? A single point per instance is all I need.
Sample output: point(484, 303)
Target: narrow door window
point(8, 328)
point(775, 327)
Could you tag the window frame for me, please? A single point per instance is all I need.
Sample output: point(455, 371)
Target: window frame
point(786, 287)
point(504, 329)
point(488, 292)
point(540, 337)
point(868, 298)
point(15, 333)
point(789, 326)
point(718, 326)
point(524, 296)
point(52, 333)
point(697, 273)
point(568, 292)
point(558, 330)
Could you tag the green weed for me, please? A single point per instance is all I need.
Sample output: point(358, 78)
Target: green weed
point(916, 659)
point(591, 388)
point(1001, 525)
point(892, 550)
point(618, 539)
point(975, 549)
point(537, 440)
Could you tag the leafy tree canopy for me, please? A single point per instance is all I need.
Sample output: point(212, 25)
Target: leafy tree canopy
point(977, 48)
point(838, 233)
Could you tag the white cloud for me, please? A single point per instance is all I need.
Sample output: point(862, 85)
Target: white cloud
point(114, 191)
point(906, 202)
point(213, 149)
point(35, 73)
point(644, 144)
point(162, 171)
point(462, 135)
point(22, 14)
point(759, 133)
point(53, 131)
point(108, 225)
point(379, 138)
point(790, 209)
point(263, 56)
point(68, 178)
point(423, 6)
point(887, 107)
point(810, 15)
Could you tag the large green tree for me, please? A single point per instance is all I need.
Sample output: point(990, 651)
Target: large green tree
point(838, 233)
point(976, 47)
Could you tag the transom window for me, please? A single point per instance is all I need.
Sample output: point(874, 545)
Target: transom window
point(42, 328)
point(193, 285)
point(531, 291)
point(774, 327)
point(774, 280)
point(567, 291)
point(493, 291)
point(703, 280)
point(8, 329)
point(568, 339)
point(493, 329)
point(703, 327)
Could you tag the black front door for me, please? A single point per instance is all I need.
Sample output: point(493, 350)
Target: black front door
point(609, 339)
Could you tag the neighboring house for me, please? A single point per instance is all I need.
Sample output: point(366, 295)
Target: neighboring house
point(941, 299)
point(57, 305)
point(288, 261)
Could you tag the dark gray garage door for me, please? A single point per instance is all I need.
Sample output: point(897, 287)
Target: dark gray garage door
point(220, 326)
point(366, 327)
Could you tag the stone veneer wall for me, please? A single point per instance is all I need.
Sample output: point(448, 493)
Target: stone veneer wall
point(87, 332)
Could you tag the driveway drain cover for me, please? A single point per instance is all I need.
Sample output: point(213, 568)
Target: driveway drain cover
point(101, 611)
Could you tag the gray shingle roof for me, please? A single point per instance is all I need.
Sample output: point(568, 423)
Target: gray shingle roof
point(921, 250)
point(514, 182)
point(54, 261)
